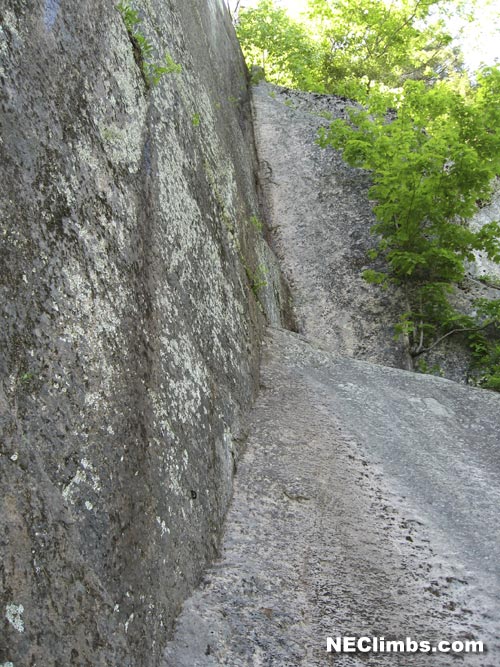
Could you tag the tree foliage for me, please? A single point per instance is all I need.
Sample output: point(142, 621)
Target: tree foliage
point(431, 162)
point(372, 42)
point(284, 48)
point(348, 46)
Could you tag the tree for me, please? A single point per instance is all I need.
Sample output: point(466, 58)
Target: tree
point(367, 43)
point(349, 46)
point(282, 47)
point(431, 162)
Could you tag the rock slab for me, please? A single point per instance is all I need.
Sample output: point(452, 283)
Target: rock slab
point(365, 505)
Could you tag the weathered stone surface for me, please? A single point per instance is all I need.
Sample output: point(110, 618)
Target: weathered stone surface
point(320, 216)
point(365, 505)
point(488, 213)
point(366, 502)
point(129, 327)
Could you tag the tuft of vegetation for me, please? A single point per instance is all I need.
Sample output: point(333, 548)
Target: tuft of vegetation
point(196, 119)
point(27, 378)
point(258, 279)
point(423, 367)
point(254, 220)
point(257, 75)
point(151, 71)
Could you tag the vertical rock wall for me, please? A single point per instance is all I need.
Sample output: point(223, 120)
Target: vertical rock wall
point(130, 324)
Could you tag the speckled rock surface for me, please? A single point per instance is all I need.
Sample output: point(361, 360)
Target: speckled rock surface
point(365, 505)
point(136, 281)
point(320, 216)
point(488, 213)
point(130, 327)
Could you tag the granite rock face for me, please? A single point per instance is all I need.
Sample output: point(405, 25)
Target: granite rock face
point(364, 506)
point(132, 311)
point(489, 212)
point(320, 217)
point(136, 281)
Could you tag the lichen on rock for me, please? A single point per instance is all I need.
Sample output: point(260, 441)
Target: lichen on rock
point(130, 333)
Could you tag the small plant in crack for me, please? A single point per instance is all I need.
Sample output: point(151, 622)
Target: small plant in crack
point(151, 71)
point(260, 278)
point(27, 378)
point(257, 224)
point(257, 279)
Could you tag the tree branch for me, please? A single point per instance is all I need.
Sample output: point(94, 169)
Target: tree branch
point(450, 333)
point(484, 282)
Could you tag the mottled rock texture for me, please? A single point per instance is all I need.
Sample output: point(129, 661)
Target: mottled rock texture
point(489, 212)
point(365, 505)
point(320, 215)
point(366, 502)
point(131, 299)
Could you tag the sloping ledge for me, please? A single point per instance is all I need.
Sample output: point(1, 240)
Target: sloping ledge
point(365, 505)
point(130, 327)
